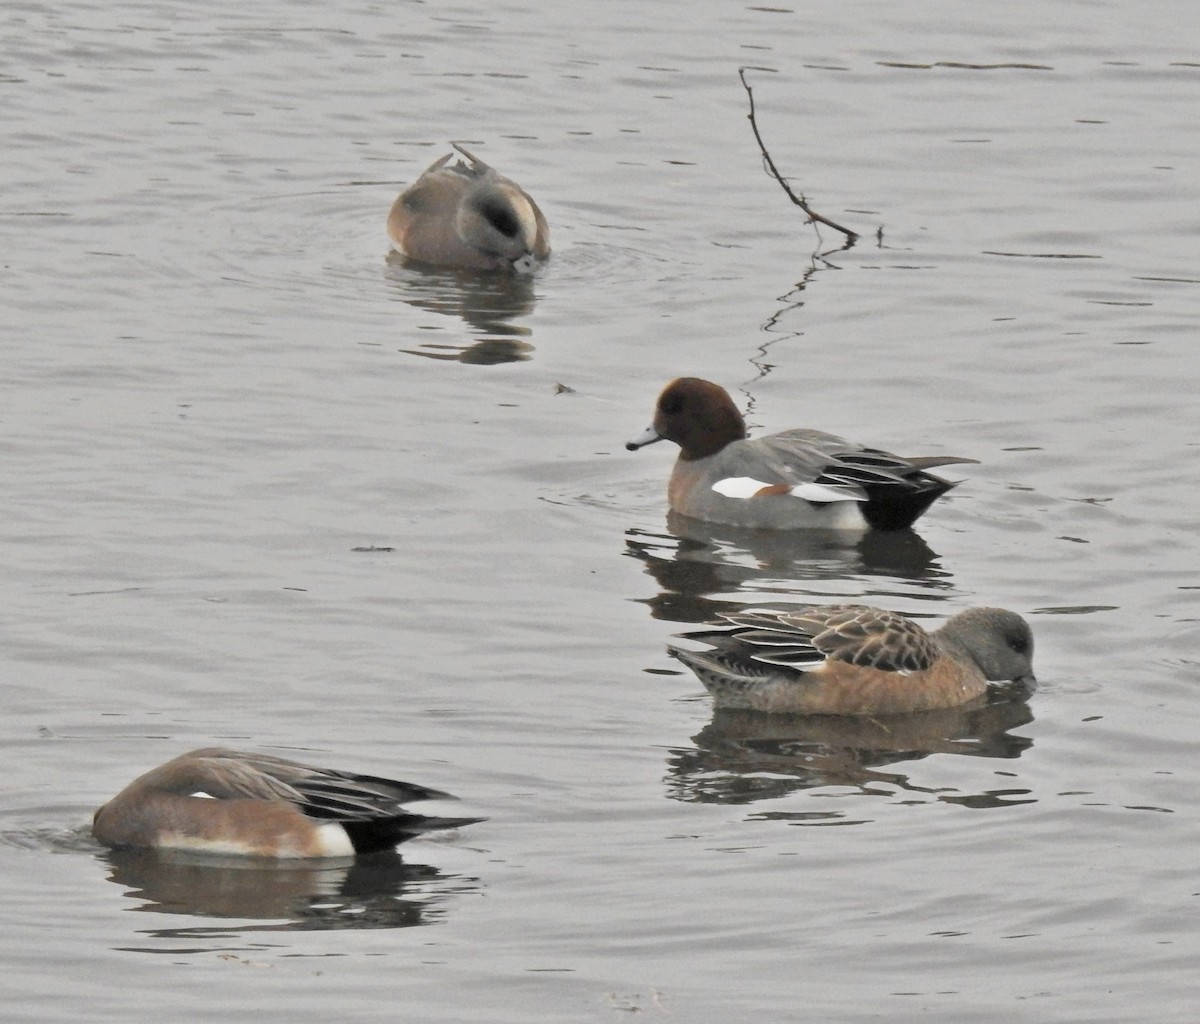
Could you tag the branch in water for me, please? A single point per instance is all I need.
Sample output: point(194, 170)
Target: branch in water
point(800, 201)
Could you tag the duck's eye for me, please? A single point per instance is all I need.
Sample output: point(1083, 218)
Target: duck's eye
point(501, 218)
point(671, 404)
point(1019, 643)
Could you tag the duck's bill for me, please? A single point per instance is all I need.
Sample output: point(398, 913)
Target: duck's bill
point(647, 436)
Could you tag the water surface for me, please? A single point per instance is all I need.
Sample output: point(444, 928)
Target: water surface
point(267, 487)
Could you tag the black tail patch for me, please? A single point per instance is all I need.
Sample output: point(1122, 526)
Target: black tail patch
point(897, 507)
point(384, 833)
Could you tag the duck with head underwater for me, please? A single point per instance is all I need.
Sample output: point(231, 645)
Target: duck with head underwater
point(468, 216)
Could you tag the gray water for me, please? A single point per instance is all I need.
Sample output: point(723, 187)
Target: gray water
point(266, 487)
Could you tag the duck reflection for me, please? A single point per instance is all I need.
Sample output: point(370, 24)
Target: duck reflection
point(484, 302)
point(744, 756)
point(376, 891)
point(697, 560)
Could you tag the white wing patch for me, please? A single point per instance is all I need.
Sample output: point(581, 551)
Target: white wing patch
point(739, 486)
point(748, 487)
point(204, 796)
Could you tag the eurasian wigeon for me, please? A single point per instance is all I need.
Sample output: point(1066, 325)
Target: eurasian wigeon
point(791, 480)
point(854, 660)
point(226, 802)
point(467, 215)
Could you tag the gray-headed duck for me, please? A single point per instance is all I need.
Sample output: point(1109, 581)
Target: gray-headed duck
point(855, 660)
point(466, 215)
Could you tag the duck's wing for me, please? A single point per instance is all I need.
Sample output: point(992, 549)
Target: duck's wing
point(476, 168)
point(804, 640)
point(868, 637)
point(894, 490)
point(812, 455)
point(436, 192)
point(319, 792)
point(770, 637)
point(759, 636)
point(794, 462)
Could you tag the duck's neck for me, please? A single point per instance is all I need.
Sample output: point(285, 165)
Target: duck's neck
point(712, 437)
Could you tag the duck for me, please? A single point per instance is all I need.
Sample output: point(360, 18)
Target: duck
point(849, 659)
point(796, 479)
point(468, 216)
point(232, 803)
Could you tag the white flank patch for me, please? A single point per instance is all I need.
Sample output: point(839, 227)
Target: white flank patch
point(823, 493)
point(204, 796)
point(334, 841)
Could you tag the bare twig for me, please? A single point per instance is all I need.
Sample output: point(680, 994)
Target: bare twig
point(800, 201)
